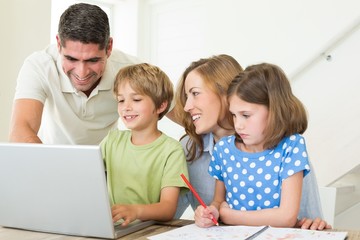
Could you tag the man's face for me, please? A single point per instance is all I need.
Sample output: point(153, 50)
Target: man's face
point(84, 64)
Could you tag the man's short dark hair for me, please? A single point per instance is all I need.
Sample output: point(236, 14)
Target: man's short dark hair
point(85, 23)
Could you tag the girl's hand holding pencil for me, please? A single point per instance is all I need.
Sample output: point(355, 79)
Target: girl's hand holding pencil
point(204, 216)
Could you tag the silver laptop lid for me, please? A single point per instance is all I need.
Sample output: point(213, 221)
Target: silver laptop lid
point(54, 188)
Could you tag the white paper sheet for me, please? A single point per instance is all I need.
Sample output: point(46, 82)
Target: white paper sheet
point(193, 232)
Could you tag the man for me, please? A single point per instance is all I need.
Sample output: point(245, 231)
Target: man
point(64, 93)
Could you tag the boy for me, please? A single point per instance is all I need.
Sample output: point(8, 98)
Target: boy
point(143, 164)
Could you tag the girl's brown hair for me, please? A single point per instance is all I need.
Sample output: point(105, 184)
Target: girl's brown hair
point(267, 84)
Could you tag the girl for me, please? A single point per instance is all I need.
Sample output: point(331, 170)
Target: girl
point(259, 170)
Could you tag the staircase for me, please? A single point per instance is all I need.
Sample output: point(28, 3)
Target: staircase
point(329, 86)
point(347, 206)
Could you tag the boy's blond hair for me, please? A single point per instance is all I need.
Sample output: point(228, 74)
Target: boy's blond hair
point(149, 80)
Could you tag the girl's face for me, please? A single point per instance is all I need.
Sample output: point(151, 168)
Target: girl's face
point(137, 111)
point(202, 104)
point(250, 121)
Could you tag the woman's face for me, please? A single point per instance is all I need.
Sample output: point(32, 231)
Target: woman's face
point(203, 105)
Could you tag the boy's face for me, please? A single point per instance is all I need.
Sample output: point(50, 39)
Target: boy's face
point(137, 111)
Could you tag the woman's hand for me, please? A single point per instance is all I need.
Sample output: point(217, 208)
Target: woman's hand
point(316, 224)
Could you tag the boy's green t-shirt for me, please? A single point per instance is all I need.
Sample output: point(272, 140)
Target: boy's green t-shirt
point(136, 174)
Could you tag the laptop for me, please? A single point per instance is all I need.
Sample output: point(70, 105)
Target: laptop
point(57, 189)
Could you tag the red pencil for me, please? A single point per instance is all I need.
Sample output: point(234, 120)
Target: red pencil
point(197, 197)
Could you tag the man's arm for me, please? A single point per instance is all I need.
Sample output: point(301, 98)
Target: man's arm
point(25, 121)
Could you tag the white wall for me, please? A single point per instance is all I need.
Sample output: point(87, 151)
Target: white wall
point(330, 90)
point(25, 27)
point(287, 33)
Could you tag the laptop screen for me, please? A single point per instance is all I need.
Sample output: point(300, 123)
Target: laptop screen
point(54, 188)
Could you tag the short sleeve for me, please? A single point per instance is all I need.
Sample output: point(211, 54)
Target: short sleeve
point(215, 167)
point(295, 158)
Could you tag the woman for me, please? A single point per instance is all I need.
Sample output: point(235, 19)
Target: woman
point(201, 107)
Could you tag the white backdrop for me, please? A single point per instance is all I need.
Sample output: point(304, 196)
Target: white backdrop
point(288, 33)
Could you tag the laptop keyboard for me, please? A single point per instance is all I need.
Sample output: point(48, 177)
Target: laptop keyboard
point(117, 225)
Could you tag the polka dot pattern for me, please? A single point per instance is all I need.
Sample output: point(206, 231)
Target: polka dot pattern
point(253, 180)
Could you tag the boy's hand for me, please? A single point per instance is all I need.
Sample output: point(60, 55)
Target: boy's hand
point(126, 212)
